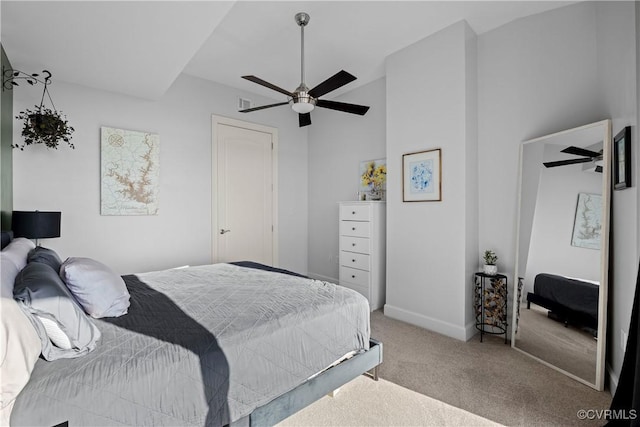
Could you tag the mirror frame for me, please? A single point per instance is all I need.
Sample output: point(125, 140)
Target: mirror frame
point(604, 255)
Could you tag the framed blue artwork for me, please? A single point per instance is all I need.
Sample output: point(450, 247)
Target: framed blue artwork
point(422, 176)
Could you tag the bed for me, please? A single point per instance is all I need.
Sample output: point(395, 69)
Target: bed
point(222, 344)
point(573, 301)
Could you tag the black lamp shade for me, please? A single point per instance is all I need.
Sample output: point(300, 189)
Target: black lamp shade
point(36, 224)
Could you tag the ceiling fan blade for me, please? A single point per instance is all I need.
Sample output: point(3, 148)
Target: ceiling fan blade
point(334, 82)
point(343, 106)
point(567, 162)
point(267, 84)
point(580, 152)
point(262, 107)
point(304, 119)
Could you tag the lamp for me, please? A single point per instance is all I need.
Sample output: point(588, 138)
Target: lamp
point(36, 224)
point(301, 102)
point(302, 107)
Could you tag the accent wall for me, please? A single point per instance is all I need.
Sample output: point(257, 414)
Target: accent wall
point(6, 154)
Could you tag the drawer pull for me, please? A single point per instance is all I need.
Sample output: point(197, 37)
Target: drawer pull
point(353, 244)
point(353, 228)
point(353, 276)
point(353, 213)
point(353, 260)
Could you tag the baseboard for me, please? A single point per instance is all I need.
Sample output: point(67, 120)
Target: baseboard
point(470, 330)
point(613, 379)
point(435, 325)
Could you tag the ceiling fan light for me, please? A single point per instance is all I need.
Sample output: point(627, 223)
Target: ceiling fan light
point(302, 107)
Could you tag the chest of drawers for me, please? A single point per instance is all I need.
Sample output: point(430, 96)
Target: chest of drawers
point(362, 249)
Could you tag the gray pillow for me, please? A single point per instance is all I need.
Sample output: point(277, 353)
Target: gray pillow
point(98, 289)
point(46, 256)
point(41, 294)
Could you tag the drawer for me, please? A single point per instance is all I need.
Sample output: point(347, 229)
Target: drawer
point(355, 260)
point(354, 276)
point(361, 245)
point(355, 228)
point(355, 212)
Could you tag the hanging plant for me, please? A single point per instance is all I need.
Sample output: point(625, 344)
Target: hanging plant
point(41, 125)
point(44, 126)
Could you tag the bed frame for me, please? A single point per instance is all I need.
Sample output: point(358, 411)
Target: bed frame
point(562, 313)
point(313, 389)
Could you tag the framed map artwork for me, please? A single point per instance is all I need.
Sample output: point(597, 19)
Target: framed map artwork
point(130, 172)
point(587, 224)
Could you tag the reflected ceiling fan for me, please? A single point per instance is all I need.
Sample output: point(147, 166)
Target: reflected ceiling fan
point(303, 100)
point(589, 156)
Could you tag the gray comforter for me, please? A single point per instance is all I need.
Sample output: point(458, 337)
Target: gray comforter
point(200, 346)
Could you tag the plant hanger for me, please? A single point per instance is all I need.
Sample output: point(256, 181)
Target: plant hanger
point(41, 125)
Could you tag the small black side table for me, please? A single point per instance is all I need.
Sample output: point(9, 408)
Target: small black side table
point(490, 304)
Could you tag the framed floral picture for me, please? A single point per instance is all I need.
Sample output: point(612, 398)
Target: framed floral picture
point(373, 179)
point(422, 176)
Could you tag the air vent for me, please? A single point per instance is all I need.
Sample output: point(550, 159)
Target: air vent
point(244, 103)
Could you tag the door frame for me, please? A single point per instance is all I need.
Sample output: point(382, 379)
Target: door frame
point(215, 226)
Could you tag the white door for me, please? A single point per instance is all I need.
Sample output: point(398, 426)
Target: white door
point(244, 196)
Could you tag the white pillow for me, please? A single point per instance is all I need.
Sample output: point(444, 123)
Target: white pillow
point(98, 289)
point(19, 351)
point(19, 341)
point(8, 273)
point(55, 334)
point(18, 250)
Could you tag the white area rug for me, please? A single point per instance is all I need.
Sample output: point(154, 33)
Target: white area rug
point(364, 402)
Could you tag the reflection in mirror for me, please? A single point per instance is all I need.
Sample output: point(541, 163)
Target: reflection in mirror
point(562, 258)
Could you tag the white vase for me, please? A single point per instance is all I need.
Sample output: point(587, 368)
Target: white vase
point(491, 270)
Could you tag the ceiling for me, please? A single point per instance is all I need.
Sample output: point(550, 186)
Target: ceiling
point(139, 48)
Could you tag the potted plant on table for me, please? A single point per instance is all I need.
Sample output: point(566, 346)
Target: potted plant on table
point(490, 263)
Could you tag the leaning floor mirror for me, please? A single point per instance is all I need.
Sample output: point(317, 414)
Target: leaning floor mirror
point(562, 251)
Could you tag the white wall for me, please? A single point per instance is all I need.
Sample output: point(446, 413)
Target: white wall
point(537, 76)
point(617, 76)
point(69, 180)
point(431, 104)
point(546, 73)
point(338, 142)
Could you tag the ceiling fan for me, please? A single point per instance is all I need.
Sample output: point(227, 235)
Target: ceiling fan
point(303, 100)
point(590, 156)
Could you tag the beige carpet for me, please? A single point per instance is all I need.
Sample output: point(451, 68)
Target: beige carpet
point(568, 348)
point(364, 402)
point(488, 379)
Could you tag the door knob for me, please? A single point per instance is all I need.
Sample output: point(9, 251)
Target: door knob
point(223, 231)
